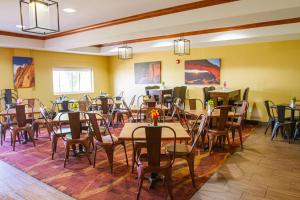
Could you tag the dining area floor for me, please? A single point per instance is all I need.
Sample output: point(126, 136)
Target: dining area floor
point(264, 170)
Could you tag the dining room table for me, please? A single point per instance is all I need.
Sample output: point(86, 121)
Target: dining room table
point(63, 117)
point(215, 113)
point(225, 94)
point(160, 93)
point(12, 111)
point(167, 134)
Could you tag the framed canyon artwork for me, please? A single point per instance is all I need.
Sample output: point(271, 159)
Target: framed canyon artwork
point(23, 72)
point(147, 72)
point(202, 72)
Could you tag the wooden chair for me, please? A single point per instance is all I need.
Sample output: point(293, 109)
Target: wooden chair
point(55, 131)
point(281, 123)
point(271, 114)
point(221, 129)
point(185, 151)
point(21, 126)
point(76, 136)
point(154, 161)
point(140, 144)
point(174, 110)
point(107, 141)
point(237, 121)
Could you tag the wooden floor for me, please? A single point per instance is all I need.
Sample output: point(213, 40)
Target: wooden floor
point(15, 184)
point(264, 170)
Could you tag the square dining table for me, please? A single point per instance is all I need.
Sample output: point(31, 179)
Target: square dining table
point(167, 134)
point(225, 94)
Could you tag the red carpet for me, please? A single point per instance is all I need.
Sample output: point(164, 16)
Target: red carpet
point(82, 181)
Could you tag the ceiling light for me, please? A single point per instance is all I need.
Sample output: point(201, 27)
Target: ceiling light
point(182, 47)
point(39, 16)
point(69, 10)
point(125, 52)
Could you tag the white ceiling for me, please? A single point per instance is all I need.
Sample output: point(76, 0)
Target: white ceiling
point(88, 12)
point(95, 11)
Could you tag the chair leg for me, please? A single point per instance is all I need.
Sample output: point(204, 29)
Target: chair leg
point(296, 133)
point(110, 156)
point(268, 125)
point(133, 160)
point(140, 184)
point(190, 161)
point(95, 155)
point(67, 151)
point(1, 135)
point(54, 145)
point(233, 134)
point(124, 145)
point(31, 136)
point(14, 138)
point(276, 126)
point(87, 150)
point(241, 136)
point(211, 139)
point(169, 183)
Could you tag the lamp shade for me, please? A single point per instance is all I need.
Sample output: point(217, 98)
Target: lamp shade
point(39, 16)
point(181, 47)
point(125, 52)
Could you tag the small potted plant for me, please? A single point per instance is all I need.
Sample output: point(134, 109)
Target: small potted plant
point(210, 105)
point(163, 85)
point(154, 115)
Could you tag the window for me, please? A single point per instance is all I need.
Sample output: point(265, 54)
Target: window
point(72, 80)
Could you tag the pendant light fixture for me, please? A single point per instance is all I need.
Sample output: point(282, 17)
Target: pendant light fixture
point(125, 52)
point(182, 47)
point(39, 16)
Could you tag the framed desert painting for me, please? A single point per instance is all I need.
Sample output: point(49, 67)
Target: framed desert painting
point(23, 72)
point(202, 72)
point(147, 72)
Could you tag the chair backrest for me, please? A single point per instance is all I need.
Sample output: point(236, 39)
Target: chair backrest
point(223, 110)
point(241, 111)
point(104, 105)
point(205, 94)
point(245, 95)
point(74, 119)
point(83, 105)
point(30, 102)
point(201, 120)
point(179, 92)
point(94, 118)
point(65, 106)
point(132, 101)
point(21, 115)
point(281, 113)
point(153, 136)
point(268, 105)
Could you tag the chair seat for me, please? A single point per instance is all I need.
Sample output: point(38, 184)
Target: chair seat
point(217, 132)
point(180, 148)
point(107, 138)
point(15, 126)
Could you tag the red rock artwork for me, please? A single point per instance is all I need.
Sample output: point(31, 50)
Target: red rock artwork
point(23, 72)
point(202, 72)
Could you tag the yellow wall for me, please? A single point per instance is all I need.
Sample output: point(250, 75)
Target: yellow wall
point(271, 70)
point(44, 62)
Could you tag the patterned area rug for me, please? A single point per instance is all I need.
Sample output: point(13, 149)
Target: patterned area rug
point(82, 181)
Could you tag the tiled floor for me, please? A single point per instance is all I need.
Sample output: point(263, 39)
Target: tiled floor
point(264, 170)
